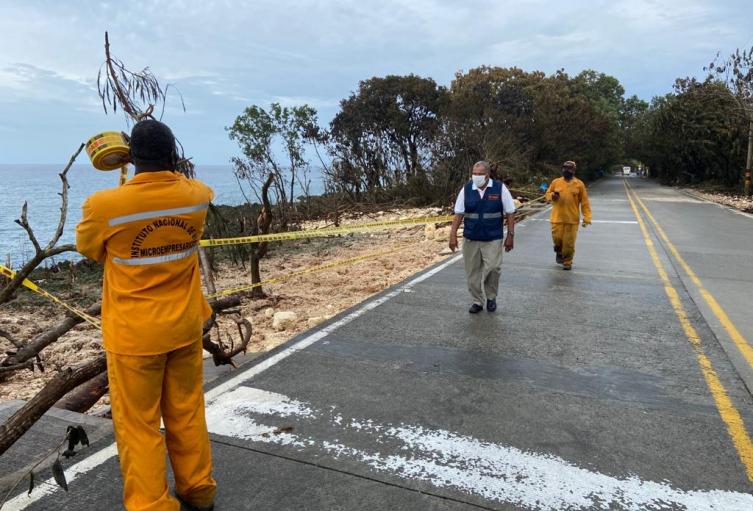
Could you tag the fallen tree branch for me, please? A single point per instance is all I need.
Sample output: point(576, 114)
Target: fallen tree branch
point(86, 395)
point(63, 382)
point(15, 342)
point(32, 348)
point(18, 367)
point(219, 355)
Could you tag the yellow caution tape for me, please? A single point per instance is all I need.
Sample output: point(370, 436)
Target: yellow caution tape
point(331, 231)
point(315, 269)
point(318, 233)
point(107, 150)
point(4, 270)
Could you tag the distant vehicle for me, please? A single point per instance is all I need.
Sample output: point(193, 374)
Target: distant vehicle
point(626, 171)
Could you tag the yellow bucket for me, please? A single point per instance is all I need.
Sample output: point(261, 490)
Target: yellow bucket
point(108, 150)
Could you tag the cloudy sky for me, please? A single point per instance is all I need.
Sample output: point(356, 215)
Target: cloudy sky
point(225, 55)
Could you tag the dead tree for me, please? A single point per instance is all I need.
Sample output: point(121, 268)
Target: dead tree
point(258, 251)
point(49, 250)
point(136, 93)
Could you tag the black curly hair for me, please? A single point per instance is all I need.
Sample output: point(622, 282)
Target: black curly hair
point(152, 146)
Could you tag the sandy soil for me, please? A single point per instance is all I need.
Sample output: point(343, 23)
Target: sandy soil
point(313, 297)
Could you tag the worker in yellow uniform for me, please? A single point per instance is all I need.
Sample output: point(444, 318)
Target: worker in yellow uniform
point(569, 199)
point(146, 234)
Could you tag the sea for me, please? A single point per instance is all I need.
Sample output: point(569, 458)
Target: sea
point(40, 186)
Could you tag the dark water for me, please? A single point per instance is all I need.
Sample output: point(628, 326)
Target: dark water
point(40, 186)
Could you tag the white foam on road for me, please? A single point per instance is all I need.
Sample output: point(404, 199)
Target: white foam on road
point(488, 470)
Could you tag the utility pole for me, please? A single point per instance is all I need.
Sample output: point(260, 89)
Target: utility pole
point(749, 161)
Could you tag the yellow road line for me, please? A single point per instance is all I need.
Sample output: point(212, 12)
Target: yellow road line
point(727, 411)
point(740, 341)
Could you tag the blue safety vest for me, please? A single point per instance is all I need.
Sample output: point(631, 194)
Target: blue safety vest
point(482, 220)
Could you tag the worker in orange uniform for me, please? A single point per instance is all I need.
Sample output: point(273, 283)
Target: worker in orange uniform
point(146, 234)
point(569, 198)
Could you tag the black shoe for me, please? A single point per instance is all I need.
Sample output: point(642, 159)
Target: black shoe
point(475, 308)
point(190, 507)
point(567, 267)
point(560, 260)
point(491, 305)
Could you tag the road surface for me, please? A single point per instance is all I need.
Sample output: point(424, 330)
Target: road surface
point(614, 386)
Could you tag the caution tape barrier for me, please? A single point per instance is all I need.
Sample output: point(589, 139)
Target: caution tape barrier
point(332, 231)
point(226, 292)
point(315, 269)
point(4, 270)
point(9, 273)
point(318, 233)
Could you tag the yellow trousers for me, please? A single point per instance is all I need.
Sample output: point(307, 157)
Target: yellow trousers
point(144, 389)
point(564, 236)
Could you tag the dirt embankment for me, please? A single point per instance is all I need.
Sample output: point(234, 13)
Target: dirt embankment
point(311, 298)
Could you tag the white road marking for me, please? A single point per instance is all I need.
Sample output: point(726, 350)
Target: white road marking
point(496, 472)
point(22, 501)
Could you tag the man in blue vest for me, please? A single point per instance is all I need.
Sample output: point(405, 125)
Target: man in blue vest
point(483, 205)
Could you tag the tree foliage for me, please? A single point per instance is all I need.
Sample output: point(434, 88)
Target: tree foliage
point(383, 135)
point(402, 130)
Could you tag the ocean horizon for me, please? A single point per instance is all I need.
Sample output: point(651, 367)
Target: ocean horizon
point(40, 186)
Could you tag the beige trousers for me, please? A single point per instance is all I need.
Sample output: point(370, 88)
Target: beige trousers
point(483, 264)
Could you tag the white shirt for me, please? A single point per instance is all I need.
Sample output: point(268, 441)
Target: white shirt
point(506, 197)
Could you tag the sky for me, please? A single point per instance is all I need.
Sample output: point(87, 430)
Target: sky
point(226, 55)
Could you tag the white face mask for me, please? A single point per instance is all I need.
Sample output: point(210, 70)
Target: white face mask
point(479, 181)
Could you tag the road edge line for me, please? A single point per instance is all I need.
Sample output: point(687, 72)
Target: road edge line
point(724, 405)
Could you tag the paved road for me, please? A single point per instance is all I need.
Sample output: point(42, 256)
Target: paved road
point(601, 388)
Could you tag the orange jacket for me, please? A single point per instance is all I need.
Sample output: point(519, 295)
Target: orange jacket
point(146, 233)
point(573, 198)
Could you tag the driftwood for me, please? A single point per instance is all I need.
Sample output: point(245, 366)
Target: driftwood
point(49, 250)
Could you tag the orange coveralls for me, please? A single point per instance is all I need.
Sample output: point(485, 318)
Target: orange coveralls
point(146, 233)
point(565, 216)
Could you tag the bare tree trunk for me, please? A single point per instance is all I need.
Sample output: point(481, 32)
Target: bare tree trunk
point(256, 292)
point(85, 396)
point(206, 270)
point(263, 222)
